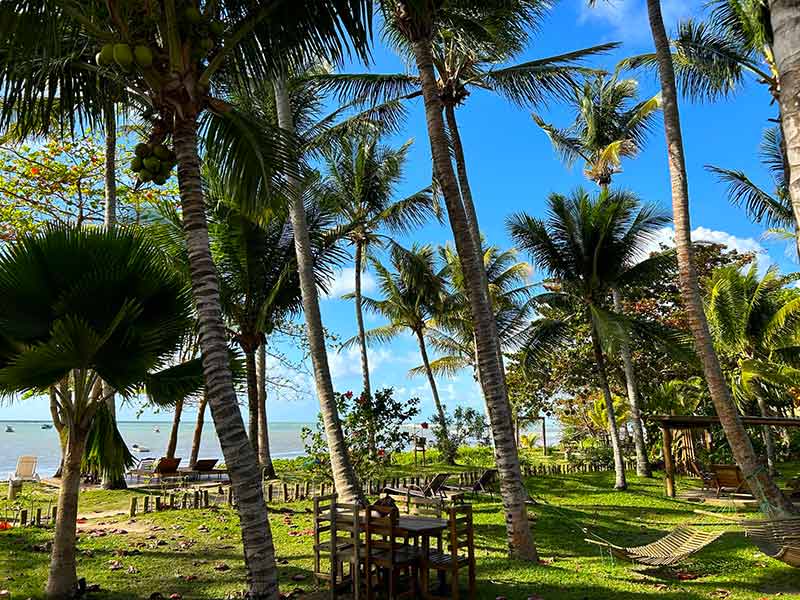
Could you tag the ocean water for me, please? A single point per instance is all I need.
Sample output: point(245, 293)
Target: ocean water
point(29, 438)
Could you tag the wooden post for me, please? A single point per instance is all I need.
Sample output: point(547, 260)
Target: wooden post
point(53, 515)
point(38, 517)
point(147, 504)
point(23, 517)
point(669, 465)
point(134, 502)
point(172, 501)
point(230, 496)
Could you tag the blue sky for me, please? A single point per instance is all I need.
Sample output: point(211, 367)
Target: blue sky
point(512, 168)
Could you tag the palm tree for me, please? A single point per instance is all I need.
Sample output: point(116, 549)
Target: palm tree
point(772, 208)
point(590, 246)
point(79, 307)
point(451, 330)
point(754, 324)
point(174, 91)
point(413, 292)
point(609, 125)
point(768, 494)
point(259, 286)
point(414, 23)
point(361, 179)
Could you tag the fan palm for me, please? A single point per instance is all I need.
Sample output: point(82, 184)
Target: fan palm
point(768, 494)
point(609, 125)
point(755, 322)
point(590, 246)
point(85, 306)
point(174, 90)
point(413, 292)
point(361, 179)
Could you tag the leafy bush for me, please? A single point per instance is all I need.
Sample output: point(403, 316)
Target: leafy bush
point(464, 425)
point(593, 453)
point(373, 429)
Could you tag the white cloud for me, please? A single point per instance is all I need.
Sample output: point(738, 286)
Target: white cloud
point(344, 282)
point(347, 363)
point(665, 237)
point(627, 19)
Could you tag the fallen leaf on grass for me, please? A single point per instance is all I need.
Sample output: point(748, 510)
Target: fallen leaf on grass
point(720, 593)
point(132, 570)
point(115, 565)
point(221, 567)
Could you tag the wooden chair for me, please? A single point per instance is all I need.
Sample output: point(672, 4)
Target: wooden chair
point(460, 553)
point(699, 470)
point(336, 542)
point(729, 478)
point(388, 556)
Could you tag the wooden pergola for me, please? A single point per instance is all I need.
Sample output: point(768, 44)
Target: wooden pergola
point(668, 423)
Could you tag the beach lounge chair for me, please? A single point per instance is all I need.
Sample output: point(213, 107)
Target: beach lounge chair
point(166, 467)
point(205, 466)
point(435, 488)
point(26, 469)
point(143, 468)
point(729, 478)
point(699, 470)
point(482, 484)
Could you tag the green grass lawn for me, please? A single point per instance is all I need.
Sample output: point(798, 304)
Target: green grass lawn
point(197, 553)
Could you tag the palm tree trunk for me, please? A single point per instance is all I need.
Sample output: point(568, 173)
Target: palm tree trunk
point(362, 338)
point(769, 441)
point(172, 444)
point(785, 20)
point(514, 494)
point(240, 460)
point(198, 431)
point(264, 455)
point(344, 477)
point(461, 172)
point(642, 464)
point(613, 430)
point(58, 424)
point(451, 455)
point(62, 581)
point(252, 396)
point(770, 498)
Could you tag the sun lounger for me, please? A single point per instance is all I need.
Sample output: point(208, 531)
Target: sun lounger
point(150, 468)
point(205, 466)
point(435, 488)
point(729, 478)
point(26, 469)
point(482, 484)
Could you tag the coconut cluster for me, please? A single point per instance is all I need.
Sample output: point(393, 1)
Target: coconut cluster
point(204, 33)
point(153, 163)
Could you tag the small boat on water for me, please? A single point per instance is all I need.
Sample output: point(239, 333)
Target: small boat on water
point(138, 448)
point(156, 429)
point(9, 429)
point(46, 426)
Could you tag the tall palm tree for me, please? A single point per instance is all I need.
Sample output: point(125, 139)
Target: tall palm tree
point(415, 23)
point(79, 307)
point(590, 246)
point(362, 176)
point(451, 331)
point(413, 292)
point(609, 125)
point(754, 324)
point(769, 495)
point(174, 91)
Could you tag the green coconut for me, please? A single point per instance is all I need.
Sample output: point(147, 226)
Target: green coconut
point(160, 179)
point(123, 55)
point(152, 164)
point(161, 151)
point(145, 175)
point(143, 56)
point(137, 164)
point(106, 55)
point(142, 150)
point(192, 15)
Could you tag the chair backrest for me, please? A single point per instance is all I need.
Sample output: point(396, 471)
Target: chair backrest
point(435, 485)
point(425, 507)
point(146, 464)
point(727, 475)
point(205, 464)
point(380, 530)
point(26, 467)
point(461, 538)
point(166, 466)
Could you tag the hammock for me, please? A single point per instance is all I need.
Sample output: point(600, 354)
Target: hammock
point(777, 538)
point(671, 549)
